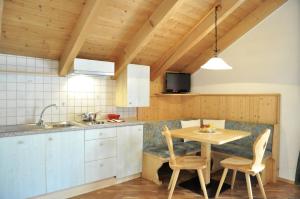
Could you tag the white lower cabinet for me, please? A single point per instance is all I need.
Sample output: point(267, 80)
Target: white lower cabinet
point(100, 154)
point(32, 165)
point(22, 166)
point(100, 169)
point(130, 150)
point(65, 160)
point(100, 149)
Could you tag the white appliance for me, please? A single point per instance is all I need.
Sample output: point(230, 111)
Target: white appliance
point(93, 67)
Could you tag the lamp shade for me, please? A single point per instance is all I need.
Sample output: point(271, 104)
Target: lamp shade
point(216, 63)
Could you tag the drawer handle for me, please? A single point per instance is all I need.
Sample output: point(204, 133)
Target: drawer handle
point(101, 144)
point(50, 139)
point(20, 142)
point(100, 134)
point(101, 165)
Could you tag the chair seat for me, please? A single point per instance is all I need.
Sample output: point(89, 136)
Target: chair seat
point(241, 164)
point(189, 162)
point(237, 150)
point(180, 149)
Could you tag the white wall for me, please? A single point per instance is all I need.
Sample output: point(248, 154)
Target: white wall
point(27, 84)
point(266, 60)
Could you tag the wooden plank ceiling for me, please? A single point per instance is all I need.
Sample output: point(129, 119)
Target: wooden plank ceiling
point(173, 35)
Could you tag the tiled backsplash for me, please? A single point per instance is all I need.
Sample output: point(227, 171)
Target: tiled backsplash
point(27, 84)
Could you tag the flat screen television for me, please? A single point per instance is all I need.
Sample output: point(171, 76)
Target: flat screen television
point(177, 82)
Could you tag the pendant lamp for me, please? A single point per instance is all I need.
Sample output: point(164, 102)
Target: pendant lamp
point(216, 63)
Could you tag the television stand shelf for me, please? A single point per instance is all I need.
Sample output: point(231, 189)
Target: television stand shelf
point(212, 94)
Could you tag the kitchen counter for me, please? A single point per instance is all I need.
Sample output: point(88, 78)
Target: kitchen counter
point(30, 129)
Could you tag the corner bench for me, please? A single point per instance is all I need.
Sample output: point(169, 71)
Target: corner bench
point(156, 151)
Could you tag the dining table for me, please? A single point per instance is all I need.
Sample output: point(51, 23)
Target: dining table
point(207, 138)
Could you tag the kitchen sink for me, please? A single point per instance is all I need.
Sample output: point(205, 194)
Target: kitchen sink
point(59, 125)
point(51, 125)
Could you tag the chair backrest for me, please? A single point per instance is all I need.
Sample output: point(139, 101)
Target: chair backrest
point(259, 148)
point(169, 141)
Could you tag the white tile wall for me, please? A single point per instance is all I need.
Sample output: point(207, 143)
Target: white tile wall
point(27, 84)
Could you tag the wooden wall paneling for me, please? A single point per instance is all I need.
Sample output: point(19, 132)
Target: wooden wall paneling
point(232, 108)
point(245, 108)
point(238, 108)
point(149, 113)
point(253, 108)
point(209, 106)
point(170, 108)
point(157, 86)
point(191, 107)
point(259, 108)
point(267, 109)
point(222, 107)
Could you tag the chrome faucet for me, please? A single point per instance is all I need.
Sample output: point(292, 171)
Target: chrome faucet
point(41, 121)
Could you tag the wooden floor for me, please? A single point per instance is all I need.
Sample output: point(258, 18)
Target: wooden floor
point(143, 189)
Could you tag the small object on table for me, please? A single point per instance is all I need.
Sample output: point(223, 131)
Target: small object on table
point(206, 128)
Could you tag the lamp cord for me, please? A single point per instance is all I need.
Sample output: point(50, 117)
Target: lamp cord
point(216, 31)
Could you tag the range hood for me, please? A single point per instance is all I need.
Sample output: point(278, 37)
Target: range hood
point(93, 67)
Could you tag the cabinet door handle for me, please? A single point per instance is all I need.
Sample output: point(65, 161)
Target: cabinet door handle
point(101, 144)
point(101, 165)
point(50, 139)
point(20, 142)
point(100, 134)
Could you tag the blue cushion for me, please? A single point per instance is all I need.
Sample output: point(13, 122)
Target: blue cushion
point(255, 128)
point(153, 135)
point(180, 149)
point(237, 150)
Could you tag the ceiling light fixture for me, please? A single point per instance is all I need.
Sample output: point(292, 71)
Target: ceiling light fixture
point(216, 63)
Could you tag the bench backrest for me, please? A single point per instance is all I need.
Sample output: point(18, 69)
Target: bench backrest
point(256, 130)
point(153, 130)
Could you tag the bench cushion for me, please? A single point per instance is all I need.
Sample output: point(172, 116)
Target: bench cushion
point(180, 149)
point(153, 136)
point(237, 150)
point(255, 128)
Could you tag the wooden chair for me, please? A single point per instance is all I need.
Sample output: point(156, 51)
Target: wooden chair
point(247, 166)
point(183, 162)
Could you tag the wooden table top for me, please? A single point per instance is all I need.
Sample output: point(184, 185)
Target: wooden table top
point(220, 136)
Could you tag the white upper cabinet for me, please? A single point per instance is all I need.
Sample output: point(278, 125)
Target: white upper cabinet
point(22, 167)
point(133, 86)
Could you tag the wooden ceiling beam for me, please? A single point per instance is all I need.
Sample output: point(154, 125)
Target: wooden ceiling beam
point(78, 36)
point(160, 15)
point(200, 31)
point(251, 20)
point(1, 15)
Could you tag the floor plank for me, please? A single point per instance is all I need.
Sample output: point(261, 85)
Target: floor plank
point(143, 189)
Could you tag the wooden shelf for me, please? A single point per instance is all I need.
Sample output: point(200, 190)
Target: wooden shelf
point(212, 94)
point(174, 94)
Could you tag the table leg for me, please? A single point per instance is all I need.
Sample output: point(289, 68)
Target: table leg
point(206, 153)
point(211, 184)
